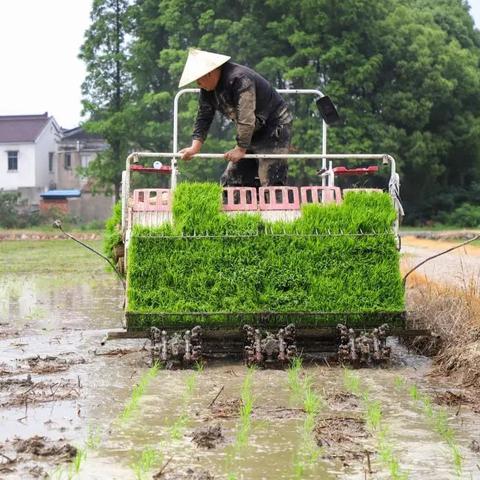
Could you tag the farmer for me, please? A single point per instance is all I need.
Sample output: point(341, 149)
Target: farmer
point(261, 117)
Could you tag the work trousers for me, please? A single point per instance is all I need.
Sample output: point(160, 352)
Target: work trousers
point(252, 172)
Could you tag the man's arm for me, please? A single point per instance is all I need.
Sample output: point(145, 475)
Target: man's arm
point(245, 120)
point(204, 119)
point(246, 116)
point(205, 114)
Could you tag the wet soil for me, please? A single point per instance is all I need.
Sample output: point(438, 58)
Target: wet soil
point(187, 474)
point(208, 436)
point(16, 393)
point(344, 437)
point(61, 390)
point(20, 452)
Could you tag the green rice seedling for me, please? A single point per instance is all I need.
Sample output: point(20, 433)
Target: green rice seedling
point(299, 467)
point(178, 427)
point(351, 382)
point(76, 465)
point(199, 366)
point(138, 391)
point(308, 452)
point(92, 442)
point(112, 234)
point(264, 266)
point(148, 458)
point(374, 415)
point(93, 439)
point(246, 408)
point(294, 376)
point(438, 419)
point(243, 425)
point(387, 457)
point(457, 459)
point(374, 420)
point(399, 382)
point(414, 393)
point(311, 400)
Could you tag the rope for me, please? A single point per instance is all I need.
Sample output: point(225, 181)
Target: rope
point(58, 224)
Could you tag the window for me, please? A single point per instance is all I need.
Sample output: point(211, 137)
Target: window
point(50, 162)
point(85, 160)
point(67, 161)
point(12, 161)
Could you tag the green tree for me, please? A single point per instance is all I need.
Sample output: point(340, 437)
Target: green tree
point(107, 89)
point(404, 74)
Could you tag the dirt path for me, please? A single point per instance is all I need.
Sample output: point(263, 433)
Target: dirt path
point(459, 268)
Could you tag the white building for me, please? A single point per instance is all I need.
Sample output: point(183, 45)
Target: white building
point(38, 157)
point(27, 154)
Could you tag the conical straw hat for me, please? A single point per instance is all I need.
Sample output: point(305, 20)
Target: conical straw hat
point(199, 63)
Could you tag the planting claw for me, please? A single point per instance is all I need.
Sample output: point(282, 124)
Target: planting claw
point(177, 349)
point(266, 348)
point(365, 349)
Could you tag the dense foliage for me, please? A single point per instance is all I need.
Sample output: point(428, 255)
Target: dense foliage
point(208, 261)
point(404, 73)
point(107, 90)
point(15, 215)
point(113, 236)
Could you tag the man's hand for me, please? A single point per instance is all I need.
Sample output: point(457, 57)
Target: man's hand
point(189, 152)
point(236, 154)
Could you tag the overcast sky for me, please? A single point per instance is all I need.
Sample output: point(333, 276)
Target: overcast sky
point(39, 45)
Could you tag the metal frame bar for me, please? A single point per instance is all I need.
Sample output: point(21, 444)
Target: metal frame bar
point(135, 156)
point(286, 91)
point(327, 177)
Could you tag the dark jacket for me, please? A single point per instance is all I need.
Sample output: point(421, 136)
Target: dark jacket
point(247, 99)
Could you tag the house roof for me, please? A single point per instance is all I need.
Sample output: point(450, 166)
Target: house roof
point(22, 128)
point(78, 133)
point(61, 194)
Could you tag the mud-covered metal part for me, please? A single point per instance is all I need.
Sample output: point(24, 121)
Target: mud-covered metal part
point(177, 348)
point(365, 349)
point(267, 348)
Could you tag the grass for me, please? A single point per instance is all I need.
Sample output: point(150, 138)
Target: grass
point(452, 313)
point(321, 262)
point(49, 257)
point(374, 420)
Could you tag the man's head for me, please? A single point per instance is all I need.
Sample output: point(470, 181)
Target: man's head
point(204, 68)
point(210, 80)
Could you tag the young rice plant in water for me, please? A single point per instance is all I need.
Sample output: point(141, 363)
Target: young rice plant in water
point(303, 390)
point(138, 391)
point(374, 420)
point(438, 419)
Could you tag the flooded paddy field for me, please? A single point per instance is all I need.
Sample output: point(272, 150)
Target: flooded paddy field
point(72, 408)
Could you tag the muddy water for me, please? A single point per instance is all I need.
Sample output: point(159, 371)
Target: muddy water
point(277, 428)
point(74, 389)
